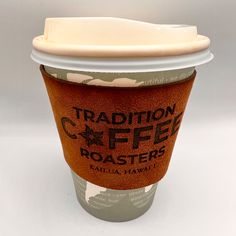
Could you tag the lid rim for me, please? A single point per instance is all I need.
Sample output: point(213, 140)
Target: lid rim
point(148, 50)
point(123, 65)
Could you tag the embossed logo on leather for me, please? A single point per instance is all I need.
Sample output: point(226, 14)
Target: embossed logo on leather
point(119, 138)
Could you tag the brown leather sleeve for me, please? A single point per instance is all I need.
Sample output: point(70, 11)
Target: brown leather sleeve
point(118, 138)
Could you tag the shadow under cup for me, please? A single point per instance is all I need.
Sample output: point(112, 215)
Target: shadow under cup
point(104, 203)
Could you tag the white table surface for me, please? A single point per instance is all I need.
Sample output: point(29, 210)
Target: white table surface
point(196, 197)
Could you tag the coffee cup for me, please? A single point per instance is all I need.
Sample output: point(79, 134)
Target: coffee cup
point(118, 90)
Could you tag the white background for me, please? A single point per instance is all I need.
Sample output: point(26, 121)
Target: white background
point(197, 196)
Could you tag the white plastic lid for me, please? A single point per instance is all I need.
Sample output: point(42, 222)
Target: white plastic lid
point(115, 44)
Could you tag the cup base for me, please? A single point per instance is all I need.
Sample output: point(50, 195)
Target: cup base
point(116, 216)
point(113, 205)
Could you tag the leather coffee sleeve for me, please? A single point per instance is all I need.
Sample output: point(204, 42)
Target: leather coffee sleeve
point(115, 137)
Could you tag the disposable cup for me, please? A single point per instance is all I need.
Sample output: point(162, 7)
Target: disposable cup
point(118, 89)
point(106, 203)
